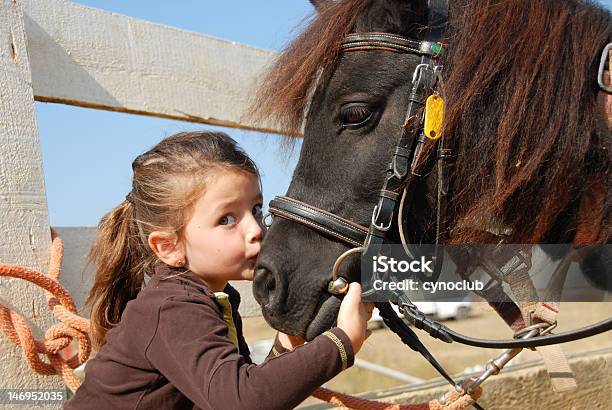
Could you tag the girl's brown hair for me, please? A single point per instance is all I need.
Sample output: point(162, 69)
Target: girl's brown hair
point(168, 180)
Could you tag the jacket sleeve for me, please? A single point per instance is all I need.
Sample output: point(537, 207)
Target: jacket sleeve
point(191, 349)
point(277, 348)
point(242, 343)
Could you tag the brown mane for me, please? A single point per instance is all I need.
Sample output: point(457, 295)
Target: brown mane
point(522, 117)
point(283, 94)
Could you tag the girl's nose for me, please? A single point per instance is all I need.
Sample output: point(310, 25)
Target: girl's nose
point(254, 231)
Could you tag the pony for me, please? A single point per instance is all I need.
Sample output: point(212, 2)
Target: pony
point(529, 136)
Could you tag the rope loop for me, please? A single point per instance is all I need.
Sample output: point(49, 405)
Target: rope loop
point(59, 337)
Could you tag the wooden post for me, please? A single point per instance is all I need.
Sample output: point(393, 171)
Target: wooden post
point(24, 223)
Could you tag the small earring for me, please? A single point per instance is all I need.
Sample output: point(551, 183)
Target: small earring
point(180, 263)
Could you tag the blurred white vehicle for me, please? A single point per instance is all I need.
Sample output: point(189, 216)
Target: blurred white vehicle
point(435, 310)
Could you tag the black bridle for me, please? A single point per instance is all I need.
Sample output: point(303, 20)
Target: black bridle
point(401, 171)
point(398, 185)
point(402, 165)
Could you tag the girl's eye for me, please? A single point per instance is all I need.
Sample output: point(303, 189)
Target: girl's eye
point(355, 115)
point(227, 220)
point(257, 210)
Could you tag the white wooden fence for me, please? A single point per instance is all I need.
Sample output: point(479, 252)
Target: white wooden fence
point(57, 51)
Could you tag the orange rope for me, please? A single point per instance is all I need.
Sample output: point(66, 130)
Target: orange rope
point(60, 335)
point(453, 400)
point(74, 327)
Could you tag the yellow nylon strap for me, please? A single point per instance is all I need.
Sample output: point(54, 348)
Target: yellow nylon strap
point(223, 300)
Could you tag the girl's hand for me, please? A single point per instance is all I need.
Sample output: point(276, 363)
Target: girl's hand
point(290, 342)
point(354, 315)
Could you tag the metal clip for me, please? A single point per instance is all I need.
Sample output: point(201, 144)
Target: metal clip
point(437, 76)
point(548, 327)
point(600, 72)
point(416, 75)
point(496, 365)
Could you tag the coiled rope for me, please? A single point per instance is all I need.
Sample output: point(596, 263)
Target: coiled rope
point(60, 335)
point(453, 400)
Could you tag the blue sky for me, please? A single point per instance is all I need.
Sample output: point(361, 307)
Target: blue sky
point(87, 154)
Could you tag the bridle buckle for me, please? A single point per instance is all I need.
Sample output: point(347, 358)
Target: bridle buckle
point(380, 226)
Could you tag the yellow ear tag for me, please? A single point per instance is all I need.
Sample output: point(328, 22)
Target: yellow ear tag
point(434, 116)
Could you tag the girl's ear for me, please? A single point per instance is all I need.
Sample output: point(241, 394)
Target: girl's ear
point(167, 248)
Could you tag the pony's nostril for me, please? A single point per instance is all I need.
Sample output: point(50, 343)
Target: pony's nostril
point(269, 283)
point(264, 285)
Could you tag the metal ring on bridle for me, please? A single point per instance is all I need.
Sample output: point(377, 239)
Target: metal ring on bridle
point(341, 259)
point(335, 286)
point(267, 219)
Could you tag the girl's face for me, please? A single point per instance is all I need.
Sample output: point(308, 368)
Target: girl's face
point(223, 236)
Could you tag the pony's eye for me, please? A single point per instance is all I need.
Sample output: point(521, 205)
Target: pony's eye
point(257, 210)
point(354, 115)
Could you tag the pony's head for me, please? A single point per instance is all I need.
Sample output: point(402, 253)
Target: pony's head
point(527, 135)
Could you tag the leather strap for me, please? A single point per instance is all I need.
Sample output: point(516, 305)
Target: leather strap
point(319, 220)
point(389, 42)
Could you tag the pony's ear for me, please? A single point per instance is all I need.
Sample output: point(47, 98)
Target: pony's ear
point(318, 3)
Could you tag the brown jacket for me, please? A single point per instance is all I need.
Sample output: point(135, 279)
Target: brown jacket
point(174, 350)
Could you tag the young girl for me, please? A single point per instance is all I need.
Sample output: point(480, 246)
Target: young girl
point(162, 309)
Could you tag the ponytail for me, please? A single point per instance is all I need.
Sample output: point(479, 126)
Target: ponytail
point(118, 256)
